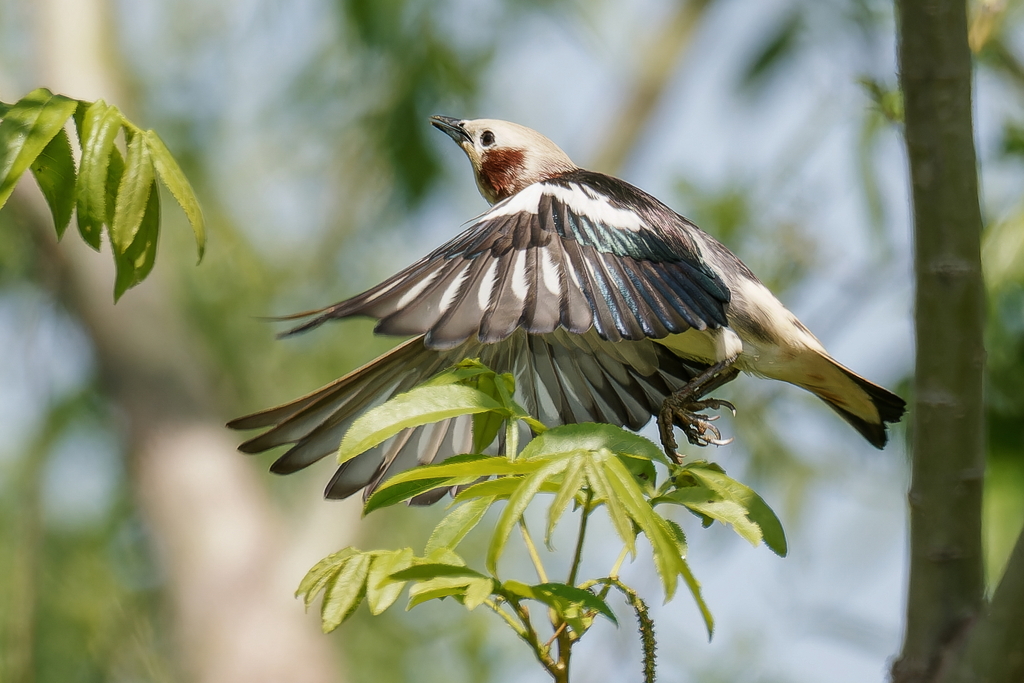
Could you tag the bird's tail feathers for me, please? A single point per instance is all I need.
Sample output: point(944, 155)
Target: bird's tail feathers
point(866, 406)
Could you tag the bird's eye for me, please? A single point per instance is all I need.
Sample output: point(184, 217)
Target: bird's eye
point(487, 138)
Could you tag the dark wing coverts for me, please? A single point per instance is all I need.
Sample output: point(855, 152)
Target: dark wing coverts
point(565, 253)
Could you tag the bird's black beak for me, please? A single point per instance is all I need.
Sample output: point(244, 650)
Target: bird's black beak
point(454, 128)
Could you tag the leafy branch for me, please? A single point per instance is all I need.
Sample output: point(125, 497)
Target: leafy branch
point(109, 190)
point(590, 466)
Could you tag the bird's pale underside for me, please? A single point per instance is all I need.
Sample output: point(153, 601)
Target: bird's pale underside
point(602, 301)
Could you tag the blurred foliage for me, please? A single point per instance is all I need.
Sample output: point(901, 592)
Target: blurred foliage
point(84, 602)
point(109, 192)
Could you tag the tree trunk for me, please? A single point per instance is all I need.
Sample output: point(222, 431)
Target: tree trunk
point(946, 585)
point(231, 567)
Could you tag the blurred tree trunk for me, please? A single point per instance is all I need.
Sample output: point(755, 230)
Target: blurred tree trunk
point(945, 603)
point(231, 567)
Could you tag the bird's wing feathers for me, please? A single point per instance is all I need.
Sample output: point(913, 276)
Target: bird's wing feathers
point(560, 378)
point(581, 250)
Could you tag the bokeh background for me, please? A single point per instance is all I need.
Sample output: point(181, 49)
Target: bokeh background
point(137, 545)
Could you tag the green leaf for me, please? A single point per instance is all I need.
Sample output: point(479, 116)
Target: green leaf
point(727, 512)
point(454, 471)
point(26, 130)
point(115, 170)
point(499, 488)
point(593, 437)
point(667, 558)
point(642, 470)
point(572, 484)
point(94, 194)
point(457, 523)
point(132, 194)
point(698, 597)
point(571, 603)
point(477, 591)
point(433, 570)
point(485, 429)
point(603, 494)
point(344, 591)
point(4, 108)
point(757, 510)
point(461, 373)
point(469, 588)
point(137, 260)
point(678, 536)
point(517, 503)
point(317, 577)
point(381, 590)
point(517, 589)
point(419, 406)
point(172, 177)
point(401, 492)
point(54, 170)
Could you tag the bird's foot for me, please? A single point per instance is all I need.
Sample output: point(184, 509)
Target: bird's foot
point(684, 412)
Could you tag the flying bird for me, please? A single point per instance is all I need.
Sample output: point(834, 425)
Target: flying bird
point(604, 303)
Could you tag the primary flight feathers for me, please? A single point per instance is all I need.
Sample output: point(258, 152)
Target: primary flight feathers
point(600, 299)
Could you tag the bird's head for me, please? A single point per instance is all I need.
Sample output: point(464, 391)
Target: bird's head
point(506, 157)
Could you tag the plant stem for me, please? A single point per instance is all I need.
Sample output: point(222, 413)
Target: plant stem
point(532, 549)
point(574, 569)
point(529, 634)
point(564, 653)
point(614, 573)
point(520, 630)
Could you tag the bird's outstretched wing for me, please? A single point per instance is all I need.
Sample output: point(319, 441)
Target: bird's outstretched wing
point(577, 251)
point(560, 378)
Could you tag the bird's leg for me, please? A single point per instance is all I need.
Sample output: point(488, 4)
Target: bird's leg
point(683, 408)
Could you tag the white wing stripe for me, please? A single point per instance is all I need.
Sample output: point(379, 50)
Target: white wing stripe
point(520, 287)
point(487, 286)
point(453, 289)
point(549, 272)
point(416, 290)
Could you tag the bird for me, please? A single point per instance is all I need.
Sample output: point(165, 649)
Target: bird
point(604, 303)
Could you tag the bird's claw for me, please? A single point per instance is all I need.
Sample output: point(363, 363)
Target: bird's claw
point(697, 427)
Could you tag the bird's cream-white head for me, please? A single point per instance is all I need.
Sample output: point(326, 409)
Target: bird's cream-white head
point(506, 157)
